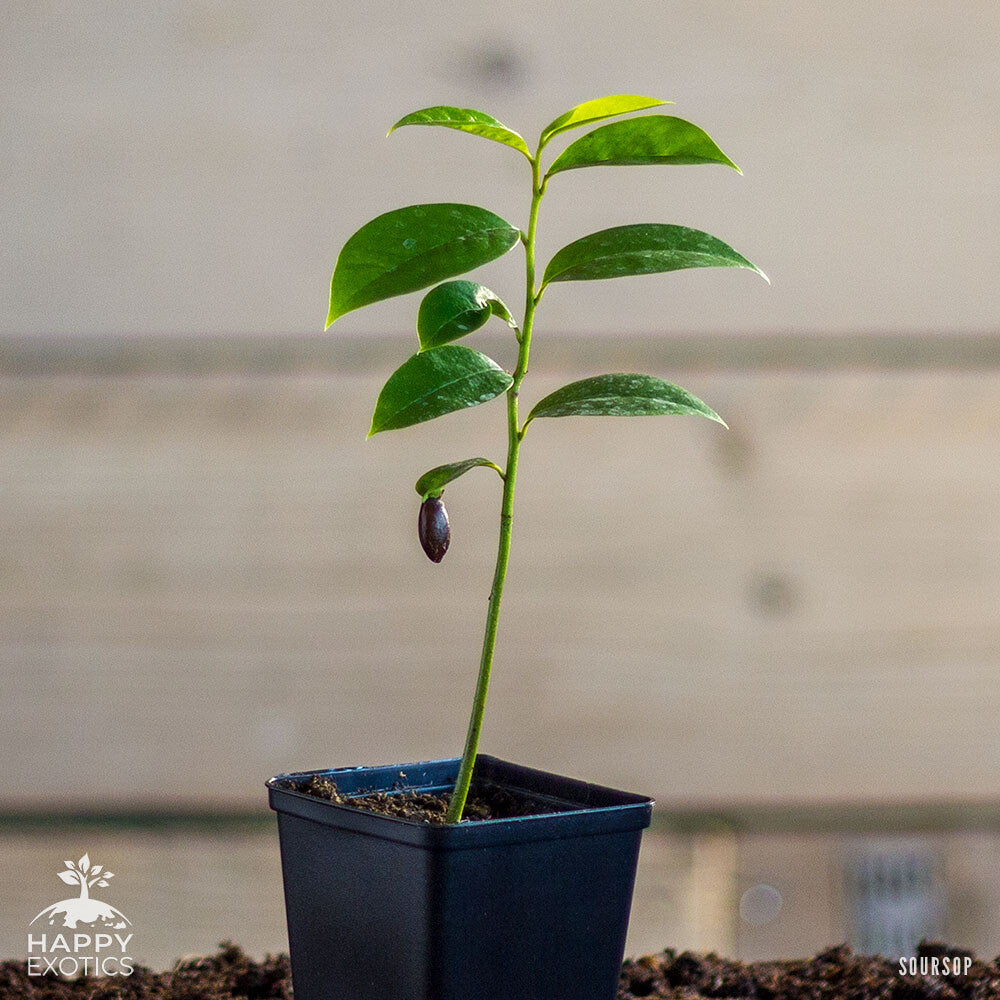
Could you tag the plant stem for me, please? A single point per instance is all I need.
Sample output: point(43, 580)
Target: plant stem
point(461, 792)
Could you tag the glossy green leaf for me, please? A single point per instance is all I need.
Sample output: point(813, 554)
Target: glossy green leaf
point(622, 395)
point(454, 309)
point(466, 120)
point(652, 139)
point(597, 110)
point(410, 248)
point(433, 482)
point(648, 248)
point(437, 382)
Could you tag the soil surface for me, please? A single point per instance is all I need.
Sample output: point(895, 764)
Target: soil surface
point(485, 801)
point(836, 974)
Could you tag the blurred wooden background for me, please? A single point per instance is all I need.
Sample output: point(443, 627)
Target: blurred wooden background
point(786, 632)
point(207, 575)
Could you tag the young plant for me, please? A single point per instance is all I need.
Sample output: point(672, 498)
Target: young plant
point(417, 247)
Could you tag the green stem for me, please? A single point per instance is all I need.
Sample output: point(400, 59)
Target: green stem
point(464, 780)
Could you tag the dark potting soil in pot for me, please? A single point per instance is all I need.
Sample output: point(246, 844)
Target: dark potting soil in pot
point(485, 801)
point(836, 974)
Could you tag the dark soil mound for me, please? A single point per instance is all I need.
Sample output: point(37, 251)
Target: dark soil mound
point(227, 975)
point(836, 974)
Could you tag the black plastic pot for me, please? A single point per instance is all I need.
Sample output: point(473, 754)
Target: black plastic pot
point(527, 908)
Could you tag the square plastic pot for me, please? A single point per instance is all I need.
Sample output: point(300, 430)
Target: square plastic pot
point(526, 908)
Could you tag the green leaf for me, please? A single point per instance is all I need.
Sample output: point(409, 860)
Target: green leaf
point(410, 248)
point(438, 382)
point(622, 395)
point(635, 141)
point(454, 309)
point(597, 110)
point(466, 120)
point(433, 482)
point(648, 248)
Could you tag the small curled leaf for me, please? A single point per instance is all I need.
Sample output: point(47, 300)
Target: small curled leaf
point(433, 529)
point(433, 482)
point(456, 308)
point(70, 878)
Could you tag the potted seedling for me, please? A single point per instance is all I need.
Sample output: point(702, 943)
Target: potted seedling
point(399, 883)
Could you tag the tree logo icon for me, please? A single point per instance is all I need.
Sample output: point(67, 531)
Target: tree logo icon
point(84, 909)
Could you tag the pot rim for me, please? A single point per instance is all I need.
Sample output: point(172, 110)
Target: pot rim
point(587, 809)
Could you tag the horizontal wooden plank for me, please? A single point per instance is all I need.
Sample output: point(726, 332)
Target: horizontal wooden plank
point(206, 580)
point(213, 354)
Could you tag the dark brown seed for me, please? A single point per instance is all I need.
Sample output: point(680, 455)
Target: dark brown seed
point(433, 530)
